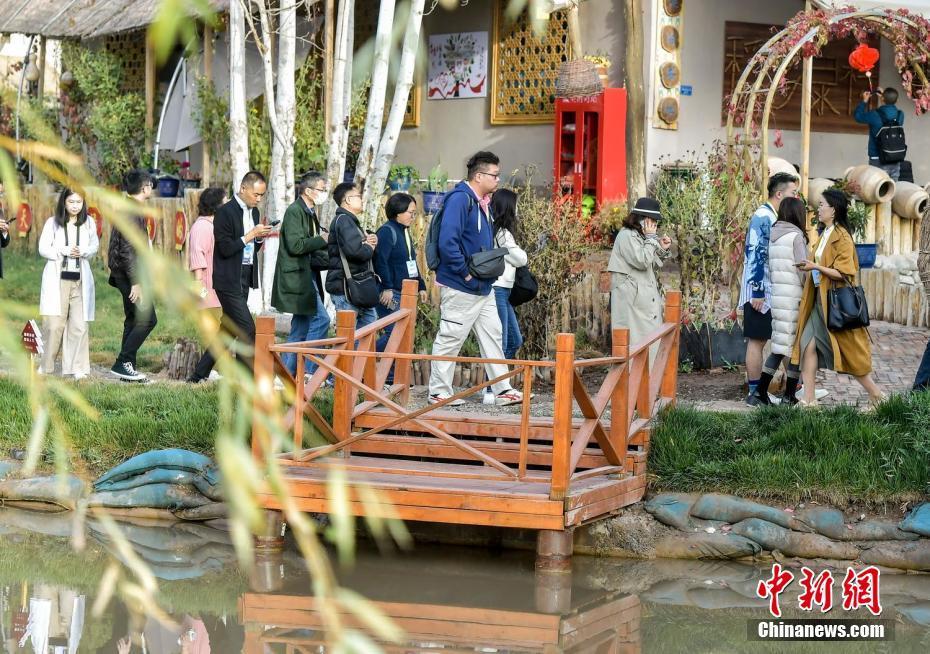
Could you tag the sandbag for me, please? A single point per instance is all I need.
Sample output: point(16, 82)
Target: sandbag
point(205, 512)
point(7, 468)
point(895, 554)
point(672, 509)
point(176, 459)
point(809, 546)
point(714, 506)
point(918, 613)
point(705, 546)
point(142, 516)
point(156, 496)
point(63, 491)
point(156, 476)
point(214, 491)
point(58, 525)
point(918, 520)
point(832, 524)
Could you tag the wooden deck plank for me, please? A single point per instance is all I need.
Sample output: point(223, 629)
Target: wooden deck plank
point(428, 514)
point(588, 512)
point(469, 424)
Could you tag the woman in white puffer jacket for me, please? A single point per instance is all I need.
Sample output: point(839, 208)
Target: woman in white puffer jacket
point(787, 248)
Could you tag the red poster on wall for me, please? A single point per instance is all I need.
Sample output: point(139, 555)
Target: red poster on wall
point(23, 219)
point(94, 213)
point(180, 230)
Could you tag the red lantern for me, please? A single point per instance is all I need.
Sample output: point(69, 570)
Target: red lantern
point(94, 213)
point(863, 59)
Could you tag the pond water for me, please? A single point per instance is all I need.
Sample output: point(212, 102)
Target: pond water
point(444, 598)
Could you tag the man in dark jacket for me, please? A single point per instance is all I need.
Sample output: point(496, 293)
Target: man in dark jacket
point(888, 113)
point(302, 253)
point(4, 230)
point(123, 261)
point(347, 236)
point(238, 237)
point(467, 303)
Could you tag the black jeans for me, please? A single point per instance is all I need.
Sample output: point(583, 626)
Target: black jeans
point(922, 380)
point(139, 322)
point(237, 319)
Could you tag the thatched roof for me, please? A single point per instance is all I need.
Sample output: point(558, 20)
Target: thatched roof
point(80, 19)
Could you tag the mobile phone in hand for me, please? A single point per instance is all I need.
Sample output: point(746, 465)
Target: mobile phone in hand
point(274, 223)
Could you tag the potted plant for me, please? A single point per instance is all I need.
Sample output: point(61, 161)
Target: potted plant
point(602, 63)
point(436, 183)
point(401, 177)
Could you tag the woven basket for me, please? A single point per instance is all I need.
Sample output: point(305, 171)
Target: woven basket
point(578, 78)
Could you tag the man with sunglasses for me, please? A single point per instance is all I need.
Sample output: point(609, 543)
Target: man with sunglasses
point(466, 303)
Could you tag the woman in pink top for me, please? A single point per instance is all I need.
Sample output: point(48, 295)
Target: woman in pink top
point(200, 249)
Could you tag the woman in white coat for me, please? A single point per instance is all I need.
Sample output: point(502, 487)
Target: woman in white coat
point(787, 249)
point(66, 302)
point(636, 301)
point(504, 211)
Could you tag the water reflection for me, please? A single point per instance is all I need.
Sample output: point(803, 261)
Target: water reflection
point(447, 599)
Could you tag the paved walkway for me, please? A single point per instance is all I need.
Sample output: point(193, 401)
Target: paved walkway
point(896, 353)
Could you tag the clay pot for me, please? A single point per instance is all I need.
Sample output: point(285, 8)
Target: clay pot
point(875, 186)
point(815, 188)
point(910, 201)
point(778, 165)
point(602, 74)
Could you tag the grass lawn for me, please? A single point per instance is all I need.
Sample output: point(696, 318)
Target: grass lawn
point(22, 281)
point(838, 455)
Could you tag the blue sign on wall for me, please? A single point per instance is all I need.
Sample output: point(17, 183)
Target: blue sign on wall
point(686, 89)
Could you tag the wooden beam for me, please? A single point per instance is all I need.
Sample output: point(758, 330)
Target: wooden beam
point(806, 83)
point(206, 166)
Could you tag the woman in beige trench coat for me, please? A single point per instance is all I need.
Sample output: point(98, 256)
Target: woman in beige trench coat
point(636, 301)
point(833, 263)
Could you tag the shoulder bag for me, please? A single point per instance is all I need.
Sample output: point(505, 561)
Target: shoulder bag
point(846, 308)
point(361, 288)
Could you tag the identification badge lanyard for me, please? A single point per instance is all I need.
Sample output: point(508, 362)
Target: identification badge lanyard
point(412, 270)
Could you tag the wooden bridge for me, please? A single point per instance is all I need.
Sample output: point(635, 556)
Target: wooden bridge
point(433, 464)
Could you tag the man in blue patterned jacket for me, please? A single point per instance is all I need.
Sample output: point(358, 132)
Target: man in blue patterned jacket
point(755, 292)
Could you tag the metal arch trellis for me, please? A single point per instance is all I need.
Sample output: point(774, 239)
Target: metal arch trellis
point(747, 119)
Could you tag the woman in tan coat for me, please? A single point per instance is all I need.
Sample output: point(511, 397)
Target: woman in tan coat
point(834, 264)
point(635, 293)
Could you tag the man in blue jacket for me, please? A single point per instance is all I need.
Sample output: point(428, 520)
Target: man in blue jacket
point(876, 119)
point(466, 303)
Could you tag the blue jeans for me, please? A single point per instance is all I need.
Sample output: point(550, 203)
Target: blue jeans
point(511, 338)
point(922, 380)
point(306, 327)
point(362, 316)
point(383, 311)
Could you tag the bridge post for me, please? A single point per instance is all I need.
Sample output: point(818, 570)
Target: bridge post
point(620, 397)
point(562, 415)
point(408, 300)
point(669, 388)
point(554, 550)
point(264, 383)
point(344, 394)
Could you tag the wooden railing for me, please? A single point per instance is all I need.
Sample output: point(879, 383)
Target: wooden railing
point(520, 450)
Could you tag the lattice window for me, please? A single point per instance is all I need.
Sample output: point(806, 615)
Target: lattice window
point(130, 48)
point(366, 22)
point(524, 67)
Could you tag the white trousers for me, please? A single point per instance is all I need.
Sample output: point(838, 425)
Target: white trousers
point(68, 333)
point(460, 313)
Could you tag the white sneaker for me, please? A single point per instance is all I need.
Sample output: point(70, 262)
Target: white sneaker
point(214, 376)
point(436, 399)
point(79, 376)
point(819, 393)
point(508, 398)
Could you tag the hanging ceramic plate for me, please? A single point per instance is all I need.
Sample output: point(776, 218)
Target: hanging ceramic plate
point(669, 75)
point(668, 110)
point(673, 7)
point(669, 38)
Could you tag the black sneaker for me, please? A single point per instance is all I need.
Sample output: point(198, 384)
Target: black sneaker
point(127, 372)
point(194, 379)
point(756, 399)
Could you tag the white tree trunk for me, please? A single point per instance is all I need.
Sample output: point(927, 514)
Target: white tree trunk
point(281, 176)
point(375, 119)
point(238, 129)
point(395, 119)
point(342, 80)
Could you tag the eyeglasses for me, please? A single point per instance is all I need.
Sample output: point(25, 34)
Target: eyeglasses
point(352, 197)
point(494, 175)
point(322, 189)
point(412, 212)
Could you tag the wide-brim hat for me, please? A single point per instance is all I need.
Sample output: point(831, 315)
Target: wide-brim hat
point(647, 208)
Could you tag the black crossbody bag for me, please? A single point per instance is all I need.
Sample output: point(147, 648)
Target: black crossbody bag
point(72, 275)
point(362, 288)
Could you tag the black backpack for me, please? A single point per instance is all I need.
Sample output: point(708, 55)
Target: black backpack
point(892, 147)
point(431, 248)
